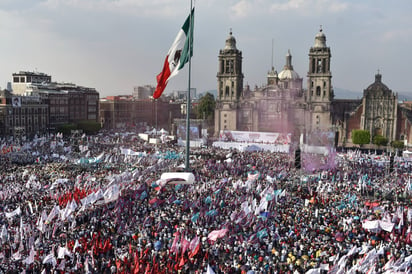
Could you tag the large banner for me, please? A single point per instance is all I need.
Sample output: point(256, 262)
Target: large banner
point(255, 137)
point(194, 132)
point(16, 101)
point(321, 138)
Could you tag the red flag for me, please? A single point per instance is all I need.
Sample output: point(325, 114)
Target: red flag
point(118, 264)
point(175, 245)
point(195, 249)
point(185, 244)
point(136, 263)
point(107, 246)
point(182, 262)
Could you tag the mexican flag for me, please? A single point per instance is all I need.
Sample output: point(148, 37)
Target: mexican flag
point(178, 55)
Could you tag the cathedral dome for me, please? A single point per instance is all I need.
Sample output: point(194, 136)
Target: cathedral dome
point(230, 42)
point(320, 40)
point(378, 85)
point(288, 72)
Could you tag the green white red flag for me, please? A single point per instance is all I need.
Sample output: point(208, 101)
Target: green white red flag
point(177, 56)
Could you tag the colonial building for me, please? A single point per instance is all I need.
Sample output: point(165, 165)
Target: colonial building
point(64, 103)
point(379, 112)
point(22, 115)
point(125, 111)
point(284, 106)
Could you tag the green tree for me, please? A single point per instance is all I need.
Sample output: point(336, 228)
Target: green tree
point(206, 107)
point(360, 137)
point(66, 128)
point(379, 140)
point(399, 144)
point(89, 127)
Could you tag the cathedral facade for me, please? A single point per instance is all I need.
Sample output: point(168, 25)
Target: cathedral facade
point(282, 105)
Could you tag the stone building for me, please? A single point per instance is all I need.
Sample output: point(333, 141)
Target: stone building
point(124, 111)
point(22, 115)
point(143, 92)
point(379, 112)
point(63, 103)
point(284, 106)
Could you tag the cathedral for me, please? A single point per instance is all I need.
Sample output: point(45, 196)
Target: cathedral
point(284, 106)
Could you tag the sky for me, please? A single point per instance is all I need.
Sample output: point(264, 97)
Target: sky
point(115, 45)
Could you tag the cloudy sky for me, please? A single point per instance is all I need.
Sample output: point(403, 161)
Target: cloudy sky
point(114, 45)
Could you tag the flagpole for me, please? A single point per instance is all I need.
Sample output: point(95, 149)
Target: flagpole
point(187, 168)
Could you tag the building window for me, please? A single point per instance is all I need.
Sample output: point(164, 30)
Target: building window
point(318, 91)
point(319, 67)
point(16, 79)
point(229, 66)
point(22, 79)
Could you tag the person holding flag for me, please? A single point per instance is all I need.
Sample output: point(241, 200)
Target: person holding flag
point(178, 55)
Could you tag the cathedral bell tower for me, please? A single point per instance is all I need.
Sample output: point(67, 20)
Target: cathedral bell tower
point(230, 85)
point(319, 89)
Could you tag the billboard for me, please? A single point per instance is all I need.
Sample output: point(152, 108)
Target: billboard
point(16, 101)
point(194, 132)
point(257, 137)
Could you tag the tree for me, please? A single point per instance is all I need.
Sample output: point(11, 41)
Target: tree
point(379, 140)
point(360, 137)
point(399, 144)
point(206, 107)
point(89, 127)
point(66, 128)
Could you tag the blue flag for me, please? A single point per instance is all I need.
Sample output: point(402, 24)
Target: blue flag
point(195, 217)
point(143, 195)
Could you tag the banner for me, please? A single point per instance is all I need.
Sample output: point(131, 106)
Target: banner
point(258, 137)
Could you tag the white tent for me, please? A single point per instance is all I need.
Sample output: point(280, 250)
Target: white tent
point(185, 178)
point(407, 154)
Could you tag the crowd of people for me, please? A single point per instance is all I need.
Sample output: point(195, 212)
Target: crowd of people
point(96, 204)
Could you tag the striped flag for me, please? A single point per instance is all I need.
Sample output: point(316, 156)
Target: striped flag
point(178, 55)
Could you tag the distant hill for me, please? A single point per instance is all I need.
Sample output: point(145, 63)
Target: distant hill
point(341, 93)
point(405, 96)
